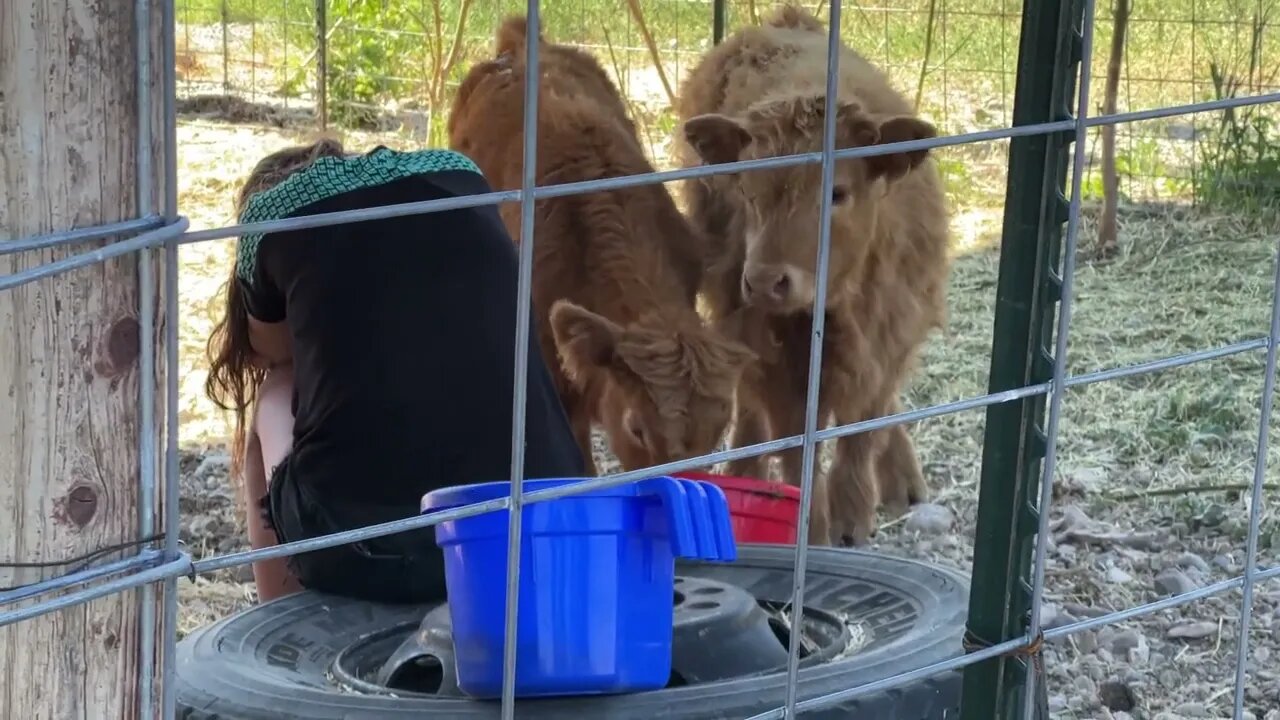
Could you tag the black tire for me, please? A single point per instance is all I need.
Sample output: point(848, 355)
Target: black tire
point(272, 661)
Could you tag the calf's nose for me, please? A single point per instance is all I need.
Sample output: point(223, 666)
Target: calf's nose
point(771, 285)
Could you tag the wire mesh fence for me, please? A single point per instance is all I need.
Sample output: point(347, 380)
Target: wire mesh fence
point(963, 62)
point(392, 65)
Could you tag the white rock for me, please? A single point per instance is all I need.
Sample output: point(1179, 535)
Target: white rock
point(1192, 560)
point(930, 519)
point(1116, 576)
point(1086, 685)
point(1192, 710)
point(213, 464)
point(1087, 641)
point(1124, 641)
point(1048, 613)
point(1195, 630)
point(1140, 654)
point(1174, 582)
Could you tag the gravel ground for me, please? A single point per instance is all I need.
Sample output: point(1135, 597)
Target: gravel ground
point(1152, 471)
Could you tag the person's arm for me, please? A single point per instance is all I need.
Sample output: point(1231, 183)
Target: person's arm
point(268, 327)
point(271, 341)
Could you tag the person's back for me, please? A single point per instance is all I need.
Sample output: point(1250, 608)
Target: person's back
point(402, 333)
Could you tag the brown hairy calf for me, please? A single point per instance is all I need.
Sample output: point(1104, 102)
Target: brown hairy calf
point(760, 94)
point(615, 273)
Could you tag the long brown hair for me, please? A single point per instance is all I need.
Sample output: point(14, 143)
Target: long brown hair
point(234, 376)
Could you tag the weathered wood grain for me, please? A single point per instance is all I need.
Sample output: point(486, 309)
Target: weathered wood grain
point(69, 347)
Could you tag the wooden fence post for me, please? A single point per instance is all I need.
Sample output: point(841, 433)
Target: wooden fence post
point(70, 347)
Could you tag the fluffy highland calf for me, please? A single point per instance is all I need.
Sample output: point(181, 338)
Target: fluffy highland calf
point(760, 94)
point(615, 273)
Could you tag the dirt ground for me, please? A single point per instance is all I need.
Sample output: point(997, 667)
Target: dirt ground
point(1152, 473)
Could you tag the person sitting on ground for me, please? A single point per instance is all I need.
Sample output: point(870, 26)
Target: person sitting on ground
point(378, 358)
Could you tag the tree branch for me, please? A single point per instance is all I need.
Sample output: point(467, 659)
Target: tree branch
point(638, 15)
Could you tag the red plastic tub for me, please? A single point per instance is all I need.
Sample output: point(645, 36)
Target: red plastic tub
point(761, 511)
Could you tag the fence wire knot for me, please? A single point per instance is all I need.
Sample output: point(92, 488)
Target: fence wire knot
point(972, 643)
point(1032, 651)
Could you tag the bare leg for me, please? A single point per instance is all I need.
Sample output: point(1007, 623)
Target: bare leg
point(901, 481)
point(268, 444)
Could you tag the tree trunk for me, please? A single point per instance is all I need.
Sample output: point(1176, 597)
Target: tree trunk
point(1107, 225)
point(70, 346)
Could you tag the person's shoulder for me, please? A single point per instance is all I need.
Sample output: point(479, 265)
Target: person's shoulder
point(420, 161)
point(323, 177)
point(330, 176)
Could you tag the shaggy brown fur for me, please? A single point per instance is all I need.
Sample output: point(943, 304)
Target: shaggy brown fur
point(615, 273)
point(761, 93)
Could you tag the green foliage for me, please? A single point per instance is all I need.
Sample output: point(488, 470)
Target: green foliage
point(210, 11)
point(363, 67)
point(1241, 163)
point(384, 52)
point(1241, 160)
point(955, 175)
point(1139, 160)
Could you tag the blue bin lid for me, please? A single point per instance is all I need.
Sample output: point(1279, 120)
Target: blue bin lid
point(459, 495)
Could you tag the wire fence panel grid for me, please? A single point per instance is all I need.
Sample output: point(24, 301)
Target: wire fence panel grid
point(1190, 117)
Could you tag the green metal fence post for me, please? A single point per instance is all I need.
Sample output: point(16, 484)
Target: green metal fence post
point(1026, 299)
point(719, 20)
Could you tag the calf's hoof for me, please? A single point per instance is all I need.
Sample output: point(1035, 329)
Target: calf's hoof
point(855, 541)
point(858, 534)
point(917, 493)
point(819, 535)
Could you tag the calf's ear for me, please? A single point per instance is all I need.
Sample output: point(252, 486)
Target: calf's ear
point(716, 138)
point(853, 127)
point(584, 340)
point(900, 129)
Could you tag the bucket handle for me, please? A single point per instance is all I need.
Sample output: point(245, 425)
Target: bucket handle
point(703, 523)
point(721, 521)
point(675, 506)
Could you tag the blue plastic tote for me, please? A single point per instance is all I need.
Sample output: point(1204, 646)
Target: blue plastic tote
point(597, 575)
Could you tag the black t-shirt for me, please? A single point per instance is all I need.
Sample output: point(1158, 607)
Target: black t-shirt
point(403, 347)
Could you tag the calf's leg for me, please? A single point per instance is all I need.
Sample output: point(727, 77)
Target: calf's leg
point(855, 492)
point(749, 428)
point(901, 480)
point(788, 419)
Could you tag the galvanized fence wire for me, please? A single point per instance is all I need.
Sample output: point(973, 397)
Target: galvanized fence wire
point(168, 230)
point(277, 52)
point(528, 180)
point(1058, 386)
